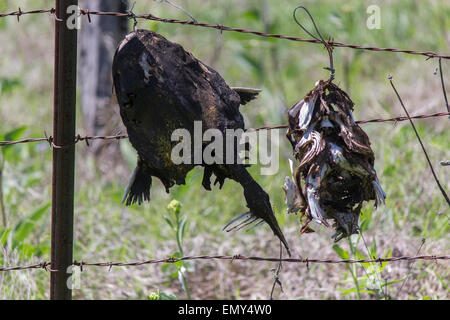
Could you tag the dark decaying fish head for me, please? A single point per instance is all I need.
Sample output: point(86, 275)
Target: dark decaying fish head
point(160, 88)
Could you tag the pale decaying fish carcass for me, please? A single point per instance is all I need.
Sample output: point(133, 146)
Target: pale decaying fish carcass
point(336, 172)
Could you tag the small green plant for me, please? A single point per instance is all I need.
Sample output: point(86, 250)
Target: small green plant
point(177, 223)
point(160, 295)
point(7, 153)
point(7, 85)
point(371, 281)
point(15, 238)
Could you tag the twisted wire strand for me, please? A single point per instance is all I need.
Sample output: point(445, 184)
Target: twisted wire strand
point(46, 265)
point(220, 27)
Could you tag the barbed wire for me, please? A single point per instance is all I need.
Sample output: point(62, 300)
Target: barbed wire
point(47, 265)
point(132, 15)
point(378, 120)
point(77, 139)
point(86, 139)
point(19, 13)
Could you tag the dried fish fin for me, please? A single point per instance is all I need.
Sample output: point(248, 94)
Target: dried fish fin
point(247, 216)
point(296, 108)
point(249, 220)
point(246, 94)
point(293, 196)
point(291, 167)
point(130, 183)
point(306, 113)
point(380, 195)
point(138, 188)
point(290, 194)
point(243, 225)
point(290, 190)
point(315, 209)
point(255, 219)
point(260, 223)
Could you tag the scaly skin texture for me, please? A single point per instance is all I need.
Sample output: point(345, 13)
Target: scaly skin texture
point(160, 88)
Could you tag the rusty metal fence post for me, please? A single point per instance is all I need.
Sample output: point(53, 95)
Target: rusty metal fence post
point(63, 158)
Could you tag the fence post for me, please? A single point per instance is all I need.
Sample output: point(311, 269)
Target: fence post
point(63, 158)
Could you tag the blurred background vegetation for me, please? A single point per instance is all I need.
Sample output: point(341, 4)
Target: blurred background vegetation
point(105, 230)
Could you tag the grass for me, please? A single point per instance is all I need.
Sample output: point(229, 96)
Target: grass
point(107, 231)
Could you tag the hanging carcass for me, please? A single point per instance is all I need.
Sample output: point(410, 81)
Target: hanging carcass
point(336, 171)
point(160, 88)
